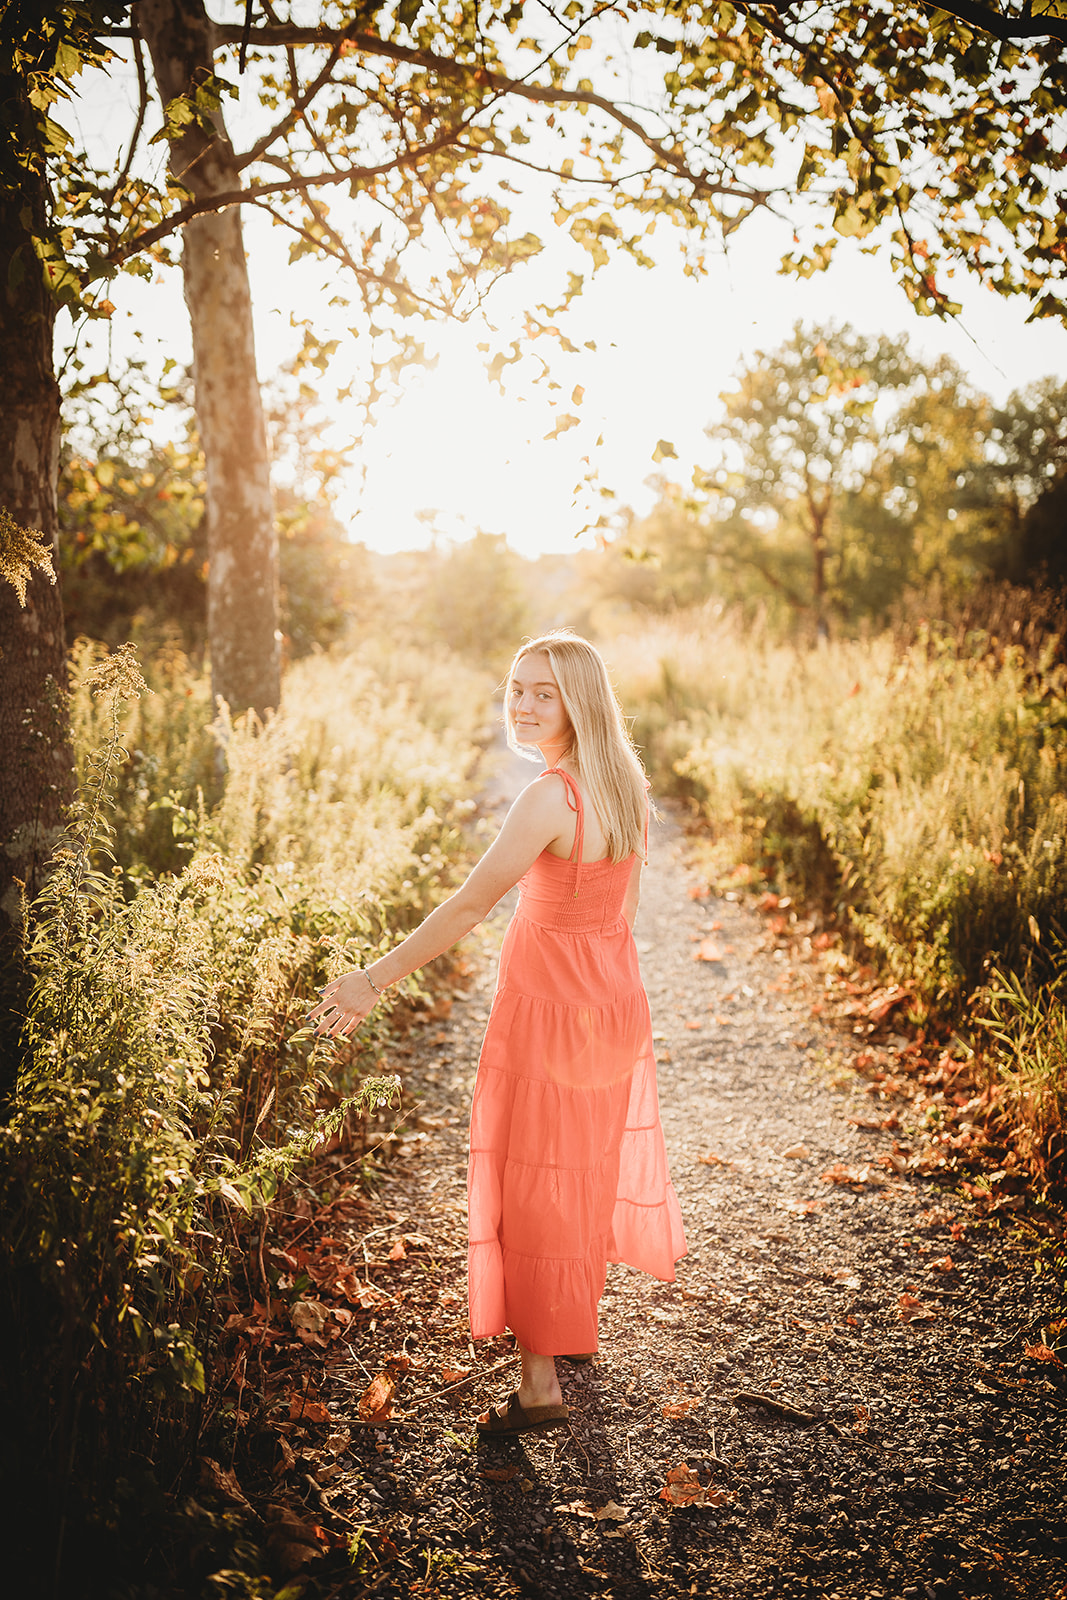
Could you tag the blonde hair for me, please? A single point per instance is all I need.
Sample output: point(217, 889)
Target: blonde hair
point(601, 750)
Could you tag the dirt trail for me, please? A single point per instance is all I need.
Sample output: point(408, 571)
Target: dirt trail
point(931, 1465)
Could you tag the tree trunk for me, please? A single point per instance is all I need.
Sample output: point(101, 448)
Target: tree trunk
point(242, 544)
point(36, 765)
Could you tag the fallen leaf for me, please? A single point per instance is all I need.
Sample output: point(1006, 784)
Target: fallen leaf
point(801, 1208)
point(309, 1318)
point(499, 1474)
point(839, 1173)
point(684, 1488)
point(1041, 1352)
point(398, 1252)
point(863, 1418)
point(694, 1024)
point(292, 1542)
point(223, 1482)
point(454, 1374)
point(612, 1512)
point(846, 1276)
point(942, 1264)
point(796, 1152)
point(707, 950)
point(680, 1408)
point(713, 1160)
point(304, 1409)
point(575, 1508)
point(911, 1309)
point(376, 1404)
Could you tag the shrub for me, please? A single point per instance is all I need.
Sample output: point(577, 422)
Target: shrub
point(167, 1087)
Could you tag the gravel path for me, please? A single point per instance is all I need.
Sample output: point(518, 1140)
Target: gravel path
point(927, 1459)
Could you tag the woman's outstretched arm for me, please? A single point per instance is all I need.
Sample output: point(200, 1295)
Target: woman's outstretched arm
point(536, 820)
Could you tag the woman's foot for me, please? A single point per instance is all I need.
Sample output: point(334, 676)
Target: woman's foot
point(540, 1383)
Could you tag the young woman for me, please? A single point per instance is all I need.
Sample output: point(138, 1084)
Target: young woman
point(568, 1168)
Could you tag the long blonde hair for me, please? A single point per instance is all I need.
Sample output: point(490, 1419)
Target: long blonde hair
point(601, 751)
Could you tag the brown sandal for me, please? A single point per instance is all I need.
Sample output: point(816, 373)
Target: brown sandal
point(580, 1361)
point(514, 1417)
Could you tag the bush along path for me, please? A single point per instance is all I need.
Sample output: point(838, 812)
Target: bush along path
point(852, 1389)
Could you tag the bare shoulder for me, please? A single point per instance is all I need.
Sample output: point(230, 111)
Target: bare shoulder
point(542, 801)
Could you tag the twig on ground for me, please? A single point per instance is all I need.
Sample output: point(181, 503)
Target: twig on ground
point(781, 1407)
point(484, 1372)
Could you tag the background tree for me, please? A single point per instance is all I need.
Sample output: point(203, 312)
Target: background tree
point(936, 494)
point(1028, 470)
point(473, 599)
point(801, 432)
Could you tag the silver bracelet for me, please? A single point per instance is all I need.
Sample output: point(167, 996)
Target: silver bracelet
point(370, 980)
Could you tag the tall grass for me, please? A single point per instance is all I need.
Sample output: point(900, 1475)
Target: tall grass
point(916, 789)
point(167, 1086)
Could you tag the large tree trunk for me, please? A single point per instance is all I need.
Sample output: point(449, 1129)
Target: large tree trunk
point(36, 766)
point(242, 544)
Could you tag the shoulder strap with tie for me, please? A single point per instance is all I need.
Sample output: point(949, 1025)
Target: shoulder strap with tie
point(574, 801)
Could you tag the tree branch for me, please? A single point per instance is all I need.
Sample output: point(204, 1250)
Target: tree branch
point(142, 111)
point(370, 44)
point(341, 254)
point(294, 183)
point(297, 108)
point(1042, 25)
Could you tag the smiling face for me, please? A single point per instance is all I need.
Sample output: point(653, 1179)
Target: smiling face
point(535, 707)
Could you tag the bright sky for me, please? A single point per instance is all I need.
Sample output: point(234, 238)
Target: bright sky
point(666, 346)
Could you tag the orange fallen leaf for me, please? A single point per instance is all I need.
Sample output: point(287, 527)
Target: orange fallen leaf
point(1041, 1352)
point(377, 1402)
point(801, 1208)
point(698, 891)
point(911, 1309)
point(304, 1409)
point(680, 1408)
point(942, 1264)
point(796, 1152)
point(684, 1488)
point(398, 1252)
point(714, 1160)
point(839, 1173)
point(694, 1024)
point(454, 1374)
point(500, 1474)
point(707, 950)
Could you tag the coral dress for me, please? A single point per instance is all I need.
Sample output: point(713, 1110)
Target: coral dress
point(568, 1168)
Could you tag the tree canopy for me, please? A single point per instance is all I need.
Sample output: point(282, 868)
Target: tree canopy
point(376, 134)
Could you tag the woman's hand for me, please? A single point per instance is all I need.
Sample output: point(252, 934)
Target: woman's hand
point(345, 1003)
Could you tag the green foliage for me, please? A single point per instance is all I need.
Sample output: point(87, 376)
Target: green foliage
point(1026, 1017)
point(168, 1088)
point(132, 493)
point(917, 789)
point(914, 788)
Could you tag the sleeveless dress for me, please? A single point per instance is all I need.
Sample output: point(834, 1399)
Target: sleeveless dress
point(568, 1168)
